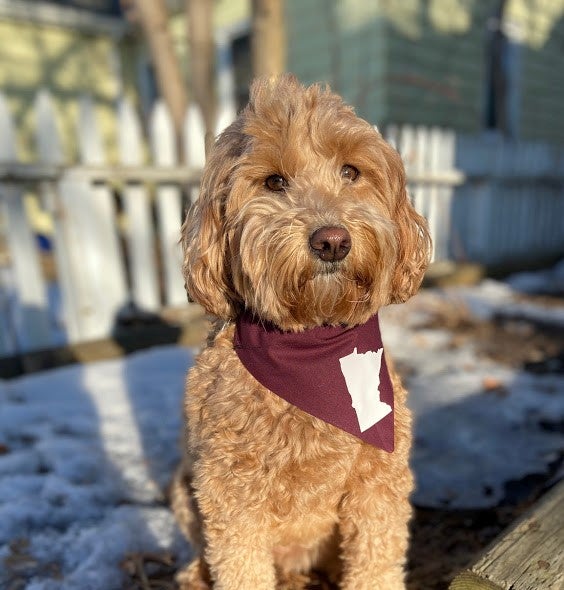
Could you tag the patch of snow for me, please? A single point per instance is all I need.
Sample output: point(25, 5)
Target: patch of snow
point(470, 440)
point(90, 449)
point(548, 282)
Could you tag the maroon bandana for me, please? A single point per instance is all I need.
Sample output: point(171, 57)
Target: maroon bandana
point(337, 374)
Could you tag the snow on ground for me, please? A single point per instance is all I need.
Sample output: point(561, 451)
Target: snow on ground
point(86, 451)
point(478, 424)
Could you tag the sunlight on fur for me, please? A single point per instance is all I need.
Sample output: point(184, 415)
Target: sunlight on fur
point(303, 219)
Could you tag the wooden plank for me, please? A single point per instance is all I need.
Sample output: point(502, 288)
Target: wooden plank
point(529, 556)
point(194, 144)
point(7, 150)
point(169, 208)
point(226, 107)
point(47, 136)
point(433, 162)
point(37, 171)
point(139, 227)
point(446, 146)
point(391, 134)
point(108, 278)
point(30, 317)
point(178, 174)
point(50, 151)
point(91, 315)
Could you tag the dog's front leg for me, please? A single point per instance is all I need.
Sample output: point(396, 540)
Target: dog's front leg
point(239, 557)
point(374, 528)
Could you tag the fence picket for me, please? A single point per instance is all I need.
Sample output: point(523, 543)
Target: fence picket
point(28, 315)
point(194, 143)
point(421, 164)
point(93, 319)
point(445, 153)
point(31, 316)
point(392, 136)
point(7, 142)
point(169, 209)
point(227, 109)
point(7, 133)
point(47, 136)
point(139, 228)
point(96, 202)
point(49, 150)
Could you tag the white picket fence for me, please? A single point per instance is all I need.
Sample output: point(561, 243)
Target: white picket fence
point(487, 199)
point(107, 257)
point(116, 227)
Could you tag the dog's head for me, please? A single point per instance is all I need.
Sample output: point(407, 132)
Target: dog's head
point(303, 215)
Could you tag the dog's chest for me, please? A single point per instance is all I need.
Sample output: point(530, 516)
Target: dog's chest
point(246, 434)
point(305, 470)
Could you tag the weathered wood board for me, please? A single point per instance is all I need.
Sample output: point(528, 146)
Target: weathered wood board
point(529, 556)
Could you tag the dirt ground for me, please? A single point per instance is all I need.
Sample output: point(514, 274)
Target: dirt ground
point(443, 541)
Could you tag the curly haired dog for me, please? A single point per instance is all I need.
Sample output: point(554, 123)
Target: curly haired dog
point(303, 226)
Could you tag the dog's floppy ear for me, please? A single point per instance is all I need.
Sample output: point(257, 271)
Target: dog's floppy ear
point(206, 268)
point(413, 238)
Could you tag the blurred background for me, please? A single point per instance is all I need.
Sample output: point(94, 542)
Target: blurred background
point(107, 109)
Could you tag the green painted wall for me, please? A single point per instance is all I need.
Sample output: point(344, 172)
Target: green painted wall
point(437, 71)
point(539, 31)
point(426, 61)
point(326, 45)
point(410, 62)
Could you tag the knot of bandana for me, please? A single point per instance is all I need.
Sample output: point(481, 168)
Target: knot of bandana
point(337, 374)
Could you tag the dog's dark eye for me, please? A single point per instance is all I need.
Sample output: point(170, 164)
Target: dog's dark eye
point(276, 182)
point(349, 172)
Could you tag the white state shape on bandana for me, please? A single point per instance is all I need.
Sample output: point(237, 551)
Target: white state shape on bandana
point(362, 375)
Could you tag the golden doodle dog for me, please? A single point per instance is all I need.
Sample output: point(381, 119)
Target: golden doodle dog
point(298, 435)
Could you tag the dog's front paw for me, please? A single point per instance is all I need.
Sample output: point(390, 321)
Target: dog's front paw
point(194, 576)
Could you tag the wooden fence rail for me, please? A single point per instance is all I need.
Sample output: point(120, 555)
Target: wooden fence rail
point(115, 225)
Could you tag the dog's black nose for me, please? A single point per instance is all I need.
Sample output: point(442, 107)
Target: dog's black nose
point(331, 244)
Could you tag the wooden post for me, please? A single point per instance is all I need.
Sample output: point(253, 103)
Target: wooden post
point(269, 37)
point(441, 149)
point(154, 20)
point(202, 58)
point(528, 556)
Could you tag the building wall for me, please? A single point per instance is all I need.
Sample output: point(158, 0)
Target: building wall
point(437, 66)
point(415, 61)
point(428, 62)
point(339, 42)
point(538, 31)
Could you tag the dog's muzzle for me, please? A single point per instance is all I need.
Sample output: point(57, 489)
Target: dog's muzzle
point(330, 244)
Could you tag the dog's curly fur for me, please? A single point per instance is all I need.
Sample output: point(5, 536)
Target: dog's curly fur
point(267, 492)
